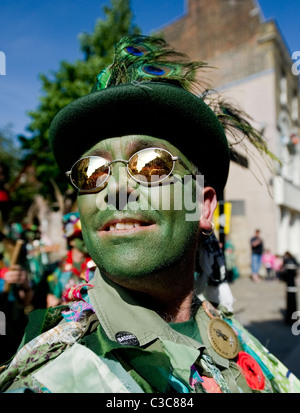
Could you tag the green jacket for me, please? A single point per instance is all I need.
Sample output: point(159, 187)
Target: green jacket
point(118, 345)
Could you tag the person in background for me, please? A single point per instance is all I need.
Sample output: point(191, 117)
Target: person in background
point(38, 263)
point(74, 269)
point(16, 295)
point(290, 268)
point(257, 248)
point(230, 259)
point(277, 266)
point(268, 261)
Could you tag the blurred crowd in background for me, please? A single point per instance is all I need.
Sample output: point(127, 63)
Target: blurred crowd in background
point(30, 280)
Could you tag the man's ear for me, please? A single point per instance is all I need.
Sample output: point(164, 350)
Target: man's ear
point(208, 207)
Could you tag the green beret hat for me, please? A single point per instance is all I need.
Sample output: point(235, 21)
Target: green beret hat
point(149, 106)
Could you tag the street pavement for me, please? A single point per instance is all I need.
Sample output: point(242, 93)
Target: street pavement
point(260, 307)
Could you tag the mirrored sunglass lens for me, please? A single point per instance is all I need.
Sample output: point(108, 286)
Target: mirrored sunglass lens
point(151, 165)
point(89, 173)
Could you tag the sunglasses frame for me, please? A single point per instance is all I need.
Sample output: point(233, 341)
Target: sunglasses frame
point(109, 163)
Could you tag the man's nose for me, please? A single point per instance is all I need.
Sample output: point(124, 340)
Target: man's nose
point(120, 186)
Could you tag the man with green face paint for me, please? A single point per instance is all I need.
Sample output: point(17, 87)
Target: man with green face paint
point(137, 244)
point(149, 159)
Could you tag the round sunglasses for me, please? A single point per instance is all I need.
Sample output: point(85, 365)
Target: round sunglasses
point(147, 166)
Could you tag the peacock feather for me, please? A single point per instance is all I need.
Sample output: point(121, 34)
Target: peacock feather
point(142, 58)
point(238, 126)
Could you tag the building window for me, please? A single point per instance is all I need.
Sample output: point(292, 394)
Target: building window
point(283, 89)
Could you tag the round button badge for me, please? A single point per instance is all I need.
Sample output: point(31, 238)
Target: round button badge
point(252, 371)
point(210, 310)
point(222, 338)
point(127, 339)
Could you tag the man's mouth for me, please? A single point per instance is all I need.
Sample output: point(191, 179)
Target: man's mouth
point(125, 225)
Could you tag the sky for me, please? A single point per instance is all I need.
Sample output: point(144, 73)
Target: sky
point(36, 35)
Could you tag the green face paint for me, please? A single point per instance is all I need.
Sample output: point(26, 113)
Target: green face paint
point(150, 230)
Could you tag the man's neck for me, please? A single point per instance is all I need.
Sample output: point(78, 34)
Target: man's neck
point(169, 292)
point(180, 312)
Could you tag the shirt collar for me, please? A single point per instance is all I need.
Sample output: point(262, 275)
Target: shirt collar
point(119, 312)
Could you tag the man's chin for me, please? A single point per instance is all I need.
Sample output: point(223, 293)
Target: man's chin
point(141, 273)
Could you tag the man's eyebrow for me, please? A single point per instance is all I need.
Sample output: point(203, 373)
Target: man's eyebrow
point(131, 148)
point(98, 152)
point(138, 145)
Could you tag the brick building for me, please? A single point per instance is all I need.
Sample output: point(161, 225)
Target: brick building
point(253, 69)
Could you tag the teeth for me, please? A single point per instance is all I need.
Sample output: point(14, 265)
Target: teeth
point(123, 225)
point(128, 225)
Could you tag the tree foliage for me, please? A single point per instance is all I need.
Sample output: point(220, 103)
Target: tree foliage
point(71, 81)
point(9, 152)
point(20, 197)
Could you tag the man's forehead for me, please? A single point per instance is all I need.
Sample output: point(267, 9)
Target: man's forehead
point(128, 145)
